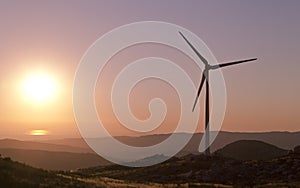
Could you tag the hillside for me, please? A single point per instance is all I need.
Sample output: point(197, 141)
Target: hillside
point(78, 145)
point(251, 150)
point(285, 140)
point(192, 170)
point(188, 171)
point(34, 145)
point(297, 149)
point(16, 175)
point(54, 160)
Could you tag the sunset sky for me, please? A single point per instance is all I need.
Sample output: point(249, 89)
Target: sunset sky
point(45, 40)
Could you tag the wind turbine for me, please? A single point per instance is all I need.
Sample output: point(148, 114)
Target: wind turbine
point(205, 78)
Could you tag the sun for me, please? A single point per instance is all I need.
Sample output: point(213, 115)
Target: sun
point(38, 132)
point(39, 87)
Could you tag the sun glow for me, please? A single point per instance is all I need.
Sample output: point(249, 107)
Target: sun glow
point(39, 87)
point(38, 132)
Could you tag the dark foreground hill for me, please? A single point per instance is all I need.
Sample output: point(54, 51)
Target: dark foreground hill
point(188, 171)
point(193, 170)
point(17, 175)
point(54, 160)
point(251, 150)
point(297, 149)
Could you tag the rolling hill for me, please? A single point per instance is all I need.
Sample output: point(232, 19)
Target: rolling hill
point(285, 140)
point(207, 171)
point(297, 149)
point(188, 171)
point(70, 146)
point(34, 145)
point(16, 175)
point(54, 160)
point(251, 150)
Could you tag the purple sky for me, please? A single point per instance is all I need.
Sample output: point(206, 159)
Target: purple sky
point(262, 96)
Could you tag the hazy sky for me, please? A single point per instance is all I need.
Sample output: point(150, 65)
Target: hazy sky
point(51, 36)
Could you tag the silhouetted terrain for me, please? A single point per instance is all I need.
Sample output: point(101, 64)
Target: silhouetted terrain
point(54, 160)
point(251, 150)
point(17, 175)
point(71, 153)
point(284, 140)
point(148, 160)
point(34, 145)
point(195, 169)
point(188, 171)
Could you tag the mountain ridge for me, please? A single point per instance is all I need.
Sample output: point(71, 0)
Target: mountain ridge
point(282, 139)
point(52, 160)
point(251, 150)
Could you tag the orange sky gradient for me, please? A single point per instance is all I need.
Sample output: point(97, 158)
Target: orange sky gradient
point(51, 37)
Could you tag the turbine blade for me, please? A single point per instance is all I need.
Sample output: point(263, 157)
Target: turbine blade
point(231, 63)
point(194, 49)
point(199, 91)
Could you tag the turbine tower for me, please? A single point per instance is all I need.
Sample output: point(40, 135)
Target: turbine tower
point(205, 78)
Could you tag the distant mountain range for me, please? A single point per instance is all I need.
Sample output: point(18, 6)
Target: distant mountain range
point(51, 160)
point(74, 153)
point(241, 150)
point(35, 145)
point(284, 140)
